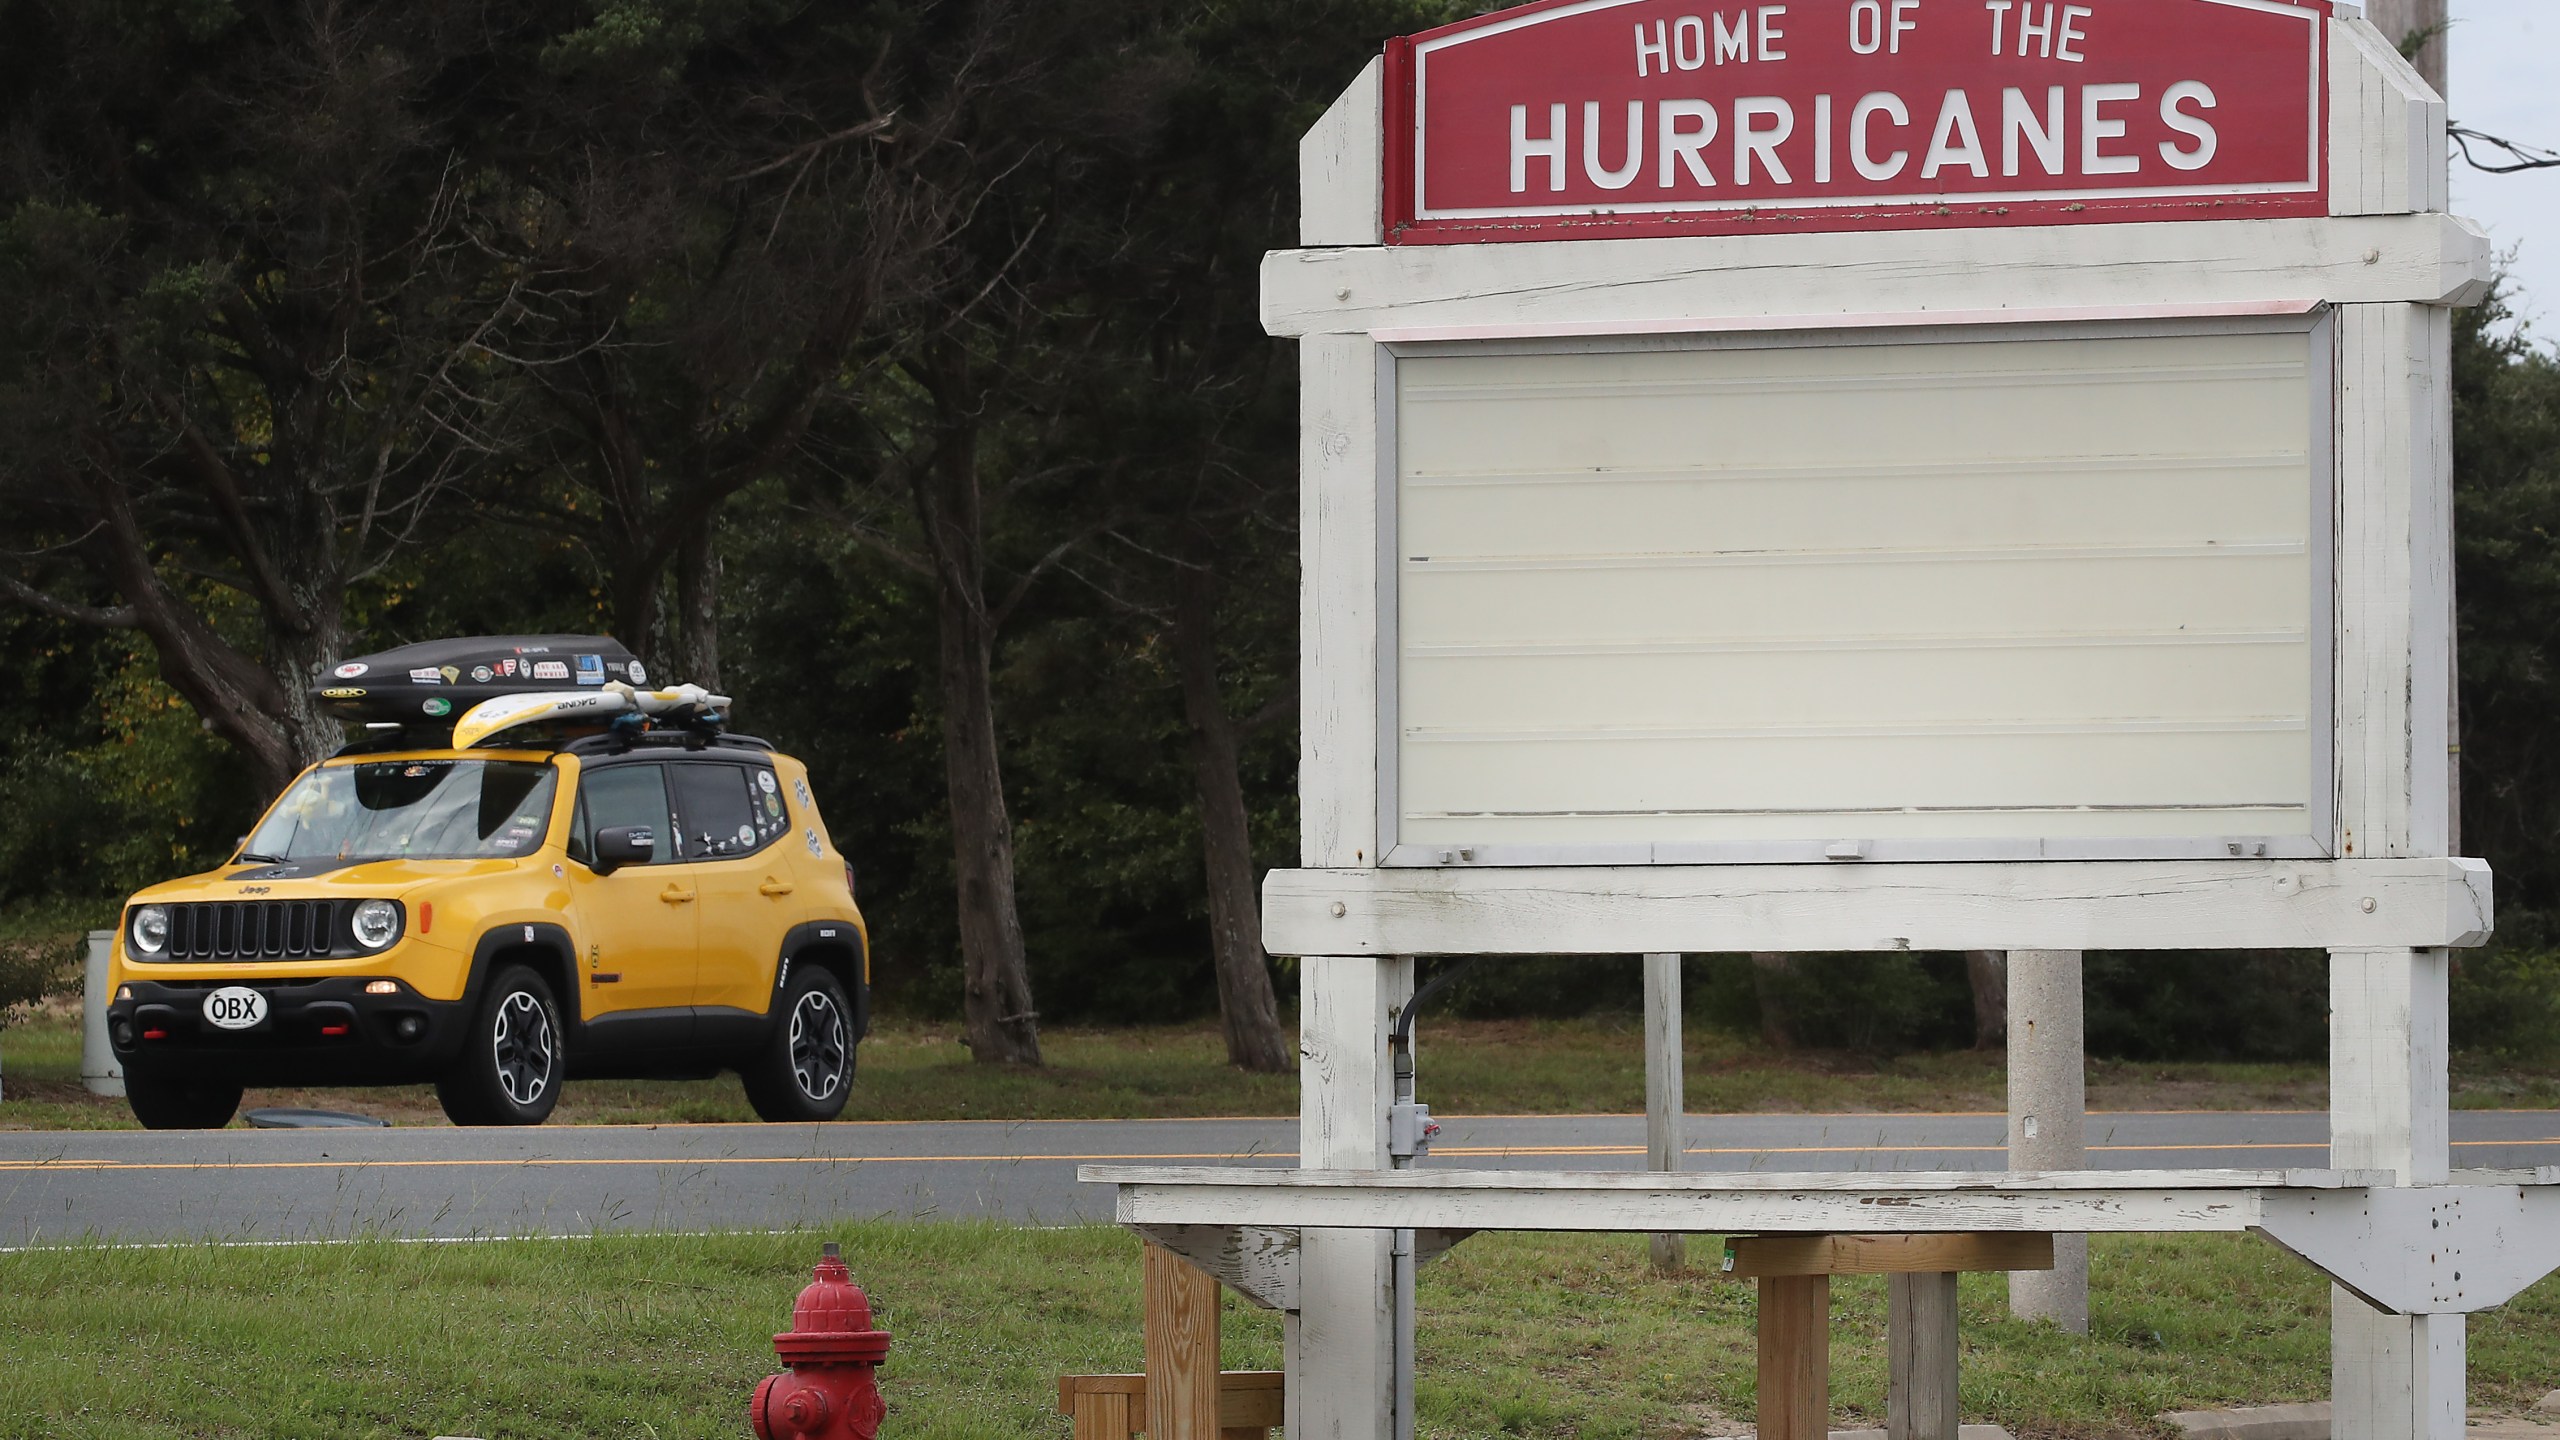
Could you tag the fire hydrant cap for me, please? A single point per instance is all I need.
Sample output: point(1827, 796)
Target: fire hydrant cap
point(832, 1320)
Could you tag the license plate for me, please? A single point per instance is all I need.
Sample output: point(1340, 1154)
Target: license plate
point(235, 1007)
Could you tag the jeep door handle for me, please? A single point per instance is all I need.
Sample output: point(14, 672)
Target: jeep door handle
point(774, 887)
point(674, 896)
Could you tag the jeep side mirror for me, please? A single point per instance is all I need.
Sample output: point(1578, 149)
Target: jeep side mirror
point(621, 845)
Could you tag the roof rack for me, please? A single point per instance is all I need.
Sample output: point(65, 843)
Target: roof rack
point(386, 739)
point(617, 741)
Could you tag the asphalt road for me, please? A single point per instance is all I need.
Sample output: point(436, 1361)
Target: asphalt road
point(58, 1186)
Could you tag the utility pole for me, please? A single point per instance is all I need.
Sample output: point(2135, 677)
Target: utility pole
point(2400, 19)
point(2048, 1118)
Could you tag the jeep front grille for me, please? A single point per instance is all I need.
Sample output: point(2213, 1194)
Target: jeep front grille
point(253, 930)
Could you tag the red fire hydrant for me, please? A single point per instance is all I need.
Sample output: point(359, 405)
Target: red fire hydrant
point(831, 1349)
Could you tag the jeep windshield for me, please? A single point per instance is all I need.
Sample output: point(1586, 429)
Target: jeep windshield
point(409, 810)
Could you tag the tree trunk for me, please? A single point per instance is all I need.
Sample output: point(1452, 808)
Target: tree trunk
point(297, 659)
point(631, 586)
point(1772, 979)
point(237, 698)
point(1247, 1008)
point(697, 639)
point(1986, 972)
point(1000, 1023)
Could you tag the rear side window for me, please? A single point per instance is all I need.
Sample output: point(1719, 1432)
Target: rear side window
point(624, 795)
point(715, 811)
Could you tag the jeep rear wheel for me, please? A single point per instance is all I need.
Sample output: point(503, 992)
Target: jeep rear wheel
point(805, 1070)
point(169, 1102)
point(511, 1067)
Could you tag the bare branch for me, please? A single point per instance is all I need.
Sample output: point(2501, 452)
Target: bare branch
point(804, 153)
point(1058, 552)
point(116, 617)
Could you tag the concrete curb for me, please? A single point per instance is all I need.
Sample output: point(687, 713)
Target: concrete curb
point(2255, 1422)
point(1962, 1433)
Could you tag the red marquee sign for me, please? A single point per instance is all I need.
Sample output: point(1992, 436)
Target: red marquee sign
point(1599, 118)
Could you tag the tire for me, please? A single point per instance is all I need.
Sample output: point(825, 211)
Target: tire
point(805, 1071)
point(171, 1102)
point(512, 1066)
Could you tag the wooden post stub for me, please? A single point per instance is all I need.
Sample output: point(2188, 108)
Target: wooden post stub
point(1102, 1416)
point(1920, 1357)
point(1795, 1357)
point(1182, 1348)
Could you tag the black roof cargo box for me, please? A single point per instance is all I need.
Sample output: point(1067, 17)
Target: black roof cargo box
point(434, 681)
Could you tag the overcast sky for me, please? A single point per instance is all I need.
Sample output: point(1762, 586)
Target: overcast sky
point(2504, 78)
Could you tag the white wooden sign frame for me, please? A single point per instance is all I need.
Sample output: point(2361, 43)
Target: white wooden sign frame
point(2385, 268)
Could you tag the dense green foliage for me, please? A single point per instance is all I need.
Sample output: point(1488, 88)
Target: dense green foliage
point(661, 318)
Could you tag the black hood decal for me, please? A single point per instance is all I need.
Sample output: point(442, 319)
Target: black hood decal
point(294, 870)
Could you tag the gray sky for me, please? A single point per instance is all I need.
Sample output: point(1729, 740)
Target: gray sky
point(2504, 77)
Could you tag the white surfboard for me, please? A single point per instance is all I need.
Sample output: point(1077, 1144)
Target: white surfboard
point(507, 712)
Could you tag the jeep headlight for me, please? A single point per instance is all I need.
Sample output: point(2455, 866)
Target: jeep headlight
point(150, 933)
point(377, 923)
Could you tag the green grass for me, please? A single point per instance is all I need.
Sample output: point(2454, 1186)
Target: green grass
point(665, 1335)
point(919, 1071)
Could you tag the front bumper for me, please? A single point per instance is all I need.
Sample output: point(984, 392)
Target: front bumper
point(319, 1030)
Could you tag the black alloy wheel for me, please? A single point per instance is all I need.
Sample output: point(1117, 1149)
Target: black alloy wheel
point(805, 1071)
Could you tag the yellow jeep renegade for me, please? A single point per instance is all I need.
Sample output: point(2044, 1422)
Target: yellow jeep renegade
point(497, 920)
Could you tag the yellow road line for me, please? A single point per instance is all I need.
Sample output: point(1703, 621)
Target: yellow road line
point(1448, 1152)
point(549, 1161)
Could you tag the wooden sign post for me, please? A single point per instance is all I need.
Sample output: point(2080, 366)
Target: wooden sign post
point(1884, 475)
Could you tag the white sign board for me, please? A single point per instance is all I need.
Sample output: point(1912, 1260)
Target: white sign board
point(1926, 593)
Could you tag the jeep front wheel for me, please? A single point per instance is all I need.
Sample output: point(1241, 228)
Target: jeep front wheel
point(805, 1070)
point(511, 1067)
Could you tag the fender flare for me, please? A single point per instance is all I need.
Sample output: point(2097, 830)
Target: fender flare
point(516, 935)
point(814, 933)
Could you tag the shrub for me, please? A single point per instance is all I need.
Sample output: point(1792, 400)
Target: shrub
point(2506, 1002)
point(33, 967)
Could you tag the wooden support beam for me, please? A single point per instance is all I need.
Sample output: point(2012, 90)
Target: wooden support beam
point(2394, 1376)
point(1724, 1203)
point(2059, 904)
point(1756, 1255)
point(1182, 1348)
point(1258, 1262)
point(1795, 1357)
point(1582, 285)
point(1920, 1355)
point(1341, 1344)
